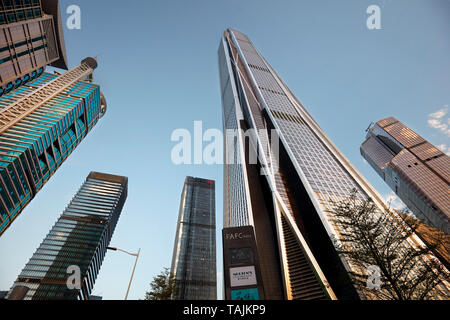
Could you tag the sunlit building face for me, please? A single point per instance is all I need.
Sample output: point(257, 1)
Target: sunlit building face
point(417, 171)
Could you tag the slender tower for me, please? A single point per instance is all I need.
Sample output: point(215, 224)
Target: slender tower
point(66, 264)
point(194, 253)
point(41, 123)
point(282, 183)
point(417, 171)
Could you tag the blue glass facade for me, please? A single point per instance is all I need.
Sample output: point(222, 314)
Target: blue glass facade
point(79, 239)
point(194, 254)
point(32, 149)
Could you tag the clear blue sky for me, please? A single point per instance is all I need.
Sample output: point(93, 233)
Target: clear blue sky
point(158, 70)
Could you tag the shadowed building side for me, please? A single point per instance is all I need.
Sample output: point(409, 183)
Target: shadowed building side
point(194, 253)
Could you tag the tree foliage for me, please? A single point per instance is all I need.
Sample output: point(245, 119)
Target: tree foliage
point(162, 286)
point(370, 238)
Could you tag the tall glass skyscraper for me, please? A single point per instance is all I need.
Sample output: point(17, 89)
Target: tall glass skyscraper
point(194, 253)
point(287, 194)
point(79, 239)
point(417, 171)
point(31, 37)
point(41, 123)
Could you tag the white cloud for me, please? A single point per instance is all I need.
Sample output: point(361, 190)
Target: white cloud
point(444, 148)
point(436, 121)
point(439, 114)
point(394, 201)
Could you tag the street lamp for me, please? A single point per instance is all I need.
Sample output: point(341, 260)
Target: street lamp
point(134, 268)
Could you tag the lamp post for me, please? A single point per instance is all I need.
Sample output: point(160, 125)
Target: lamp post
point(135, 263)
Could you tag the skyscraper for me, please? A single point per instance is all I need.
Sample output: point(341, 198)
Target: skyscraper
point(31, 37)
point(287, 193)
point(417, 171)
point(78, 241)
point(41, 123)
point(194, 253)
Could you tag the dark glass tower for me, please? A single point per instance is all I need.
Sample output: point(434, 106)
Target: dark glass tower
point(41, 123)
point(79, 238)
point(31, 37)
point(194, 253)
point(417, 171)
point(287, 193)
